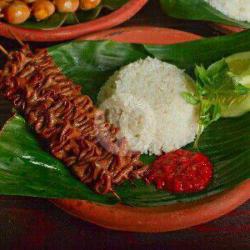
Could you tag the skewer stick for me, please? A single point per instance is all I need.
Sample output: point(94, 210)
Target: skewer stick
point(76, 18)
point(132, 183)
point(116, 195)
point(16, 37)
point(4, 50)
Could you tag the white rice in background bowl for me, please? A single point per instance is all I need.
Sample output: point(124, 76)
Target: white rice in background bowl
point(236, 9)
point(144, 100)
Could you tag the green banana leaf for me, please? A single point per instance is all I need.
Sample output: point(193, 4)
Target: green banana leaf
point(198, 10)
point(33, 168)
point(91, 63)
point(59, 19)
point(27, 169)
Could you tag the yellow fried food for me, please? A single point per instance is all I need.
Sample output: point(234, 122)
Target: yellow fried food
point(43, 9)
point(66, 6)
point(17, 12)
point(89, 4)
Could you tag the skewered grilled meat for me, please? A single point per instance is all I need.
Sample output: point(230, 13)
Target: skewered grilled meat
point(68, 123)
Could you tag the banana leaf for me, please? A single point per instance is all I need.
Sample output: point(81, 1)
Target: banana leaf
point(27, 169)
point(59, 19)
point(198, 10)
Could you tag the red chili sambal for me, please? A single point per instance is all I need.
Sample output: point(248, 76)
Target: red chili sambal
point(181, 171)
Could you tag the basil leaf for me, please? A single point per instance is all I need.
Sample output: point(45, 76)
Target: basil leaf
point(190, 98)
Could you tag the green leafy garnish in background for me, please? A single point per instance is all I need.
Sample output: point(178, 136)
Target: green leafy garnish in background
point(26, 169)
point(216, 89)
point(198, 10)
point(59, 19)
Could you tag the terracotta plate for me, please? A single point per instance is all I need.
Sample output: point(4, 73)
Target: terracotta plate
point(164, 218)
point(73, 31)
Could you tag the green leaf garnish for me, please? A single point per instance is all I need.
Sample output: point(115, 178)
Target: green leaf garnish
point(190, 98)
point(215, 88)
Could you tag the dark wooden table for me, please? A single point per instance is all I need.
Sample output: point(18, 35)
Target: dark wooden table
point(28, 223)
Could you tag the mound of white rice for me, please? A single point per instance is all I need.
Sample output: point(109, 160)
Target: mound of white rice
point(144, 100)
point(236, 9)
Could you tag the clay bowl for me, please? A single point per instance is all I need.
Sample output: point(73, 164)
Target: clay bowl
point(164, 218)
point(73, 31)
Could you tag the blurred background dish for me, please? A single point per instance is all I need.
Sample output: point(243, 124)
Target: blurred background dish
point(227, 16)
point(51, 31)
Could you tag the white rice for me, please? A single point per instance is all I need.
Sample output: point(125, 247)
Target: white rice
point(236, 9)
point(144, 100)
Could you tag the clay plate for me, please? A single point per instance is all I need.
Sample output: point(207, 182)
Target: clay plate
point(73, 31)
point(164, 218)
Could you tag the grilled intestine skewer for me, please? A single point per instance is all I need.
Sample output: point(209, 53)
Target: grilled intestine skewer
point(67, 122)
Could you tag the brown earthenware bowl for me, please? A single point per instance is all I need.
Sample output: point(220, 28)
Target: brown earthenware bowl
point(73, 31)
point(163, 218)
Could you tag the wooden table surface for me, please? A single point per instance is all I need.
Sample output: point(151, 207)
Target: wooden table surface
point(28, 223)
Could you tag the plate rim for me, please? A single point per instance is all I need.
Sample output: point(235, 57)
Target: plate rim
point(115, 18)
point(163, 218)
